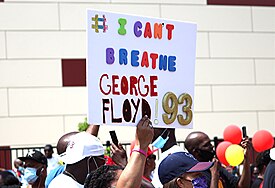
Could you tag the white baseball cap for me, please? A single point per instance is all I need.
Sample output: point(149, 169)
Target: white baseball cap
point(82, 145)
point(272, 153)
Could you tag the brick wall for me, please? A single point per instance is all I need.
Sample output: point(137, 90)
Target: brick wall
point(235, 67)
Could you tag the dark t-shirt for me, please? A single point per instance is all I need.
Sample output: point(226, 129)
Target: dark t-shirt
point(269, 176)
point(228, 179)
point(257, 182)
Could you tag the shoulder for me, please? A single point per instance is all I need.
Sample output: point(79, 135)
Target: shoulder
point(62, 180)
point(54, 173)
point(59, 181)
point(269, 177)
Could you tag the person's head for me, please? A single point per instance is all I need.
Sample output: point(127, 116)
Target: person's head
point(150, 163)
point(199, 145)
point(7, 178)
point(17, 163)
point(63, 142)
point(48, 150)
point(35, 164)
point(255, 172)
point(181, 169)
point(229, 169)
point(84, 152)
point(104, 176)
point(262, 161)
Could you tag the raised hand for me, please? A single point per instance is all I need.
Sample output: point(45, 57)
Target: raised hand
point(144, 133)
point(119, 155)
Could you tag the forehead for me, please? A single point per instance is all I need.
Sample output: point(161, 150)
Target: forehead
point(203, 139)
point(19, 162)
point(191, 174)
point(47, 148)
point(202, 136)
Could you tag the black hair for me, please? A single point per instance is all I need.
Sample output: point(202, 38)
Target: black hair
point(102, 177)
point(9, 179)
point(48, 147)
point(262, 160)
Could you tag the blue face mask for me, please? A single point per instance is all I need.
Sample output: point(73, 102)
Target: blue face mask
point(200, 182)
point(21, 170)
point(30, 175)
point(160, 142)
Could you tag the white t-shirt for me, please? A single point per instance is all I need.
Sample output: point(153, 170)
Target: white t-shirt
point(63, 180)
point(155, 181)
point(52, 163)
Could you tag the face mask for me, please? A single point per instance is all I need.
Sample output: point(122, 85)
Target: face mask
point(151, 175)
point(30, 175)
point(199, 182)
point(207, 155)
point(88, 165)
point(21, 169)
point(160, 142)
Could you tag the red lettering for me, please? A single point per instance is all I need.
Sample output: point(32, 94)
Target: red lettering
point(124, 85)
point(147, 30)
point(133, 82)
point(100, 85)
point(153, 86)
point(157, 30)
point(154, 60)
point(131, 85)
point(146, 86)
point(169, 28)
point(144, 61)
point(114, 78)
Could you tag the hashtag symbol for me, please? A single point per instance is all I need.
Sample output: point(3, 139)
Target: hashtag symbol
point(96, 26)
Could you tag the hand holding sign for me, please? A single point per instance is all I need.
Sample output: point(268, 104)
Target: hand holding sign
point(144, 133)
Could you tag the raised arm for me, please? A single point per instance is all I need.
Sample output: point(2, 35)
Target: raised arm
point(93, 129)
point(119, 155)
point(215, 175)
point(245, 178)
point(131, 176)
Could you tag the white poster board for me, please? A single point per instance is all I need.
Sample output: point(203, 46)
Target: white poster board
point(138, 65)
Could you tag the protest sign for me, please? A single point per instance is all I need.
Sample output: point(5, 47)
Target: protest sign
point(140, 66)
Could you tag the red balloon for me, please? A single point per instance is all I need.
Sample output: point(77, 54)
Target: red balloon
point(262, 140)
point(233, 134)
point(220, 151)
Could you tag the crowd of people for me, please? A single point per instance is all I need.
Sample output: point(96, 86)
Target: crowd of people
point(82, 163)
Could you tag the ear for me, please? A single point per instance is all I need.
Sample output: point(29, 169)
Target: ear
point(148, 162)
point(195, 152)
point(179, 182)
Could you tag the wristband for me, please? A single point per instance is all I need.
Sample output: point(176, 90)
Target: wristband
point(140, 151)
